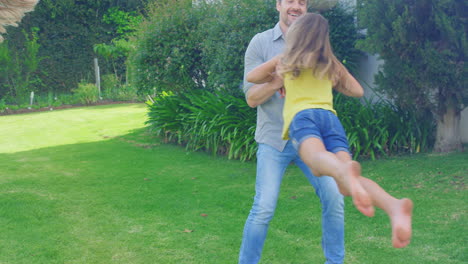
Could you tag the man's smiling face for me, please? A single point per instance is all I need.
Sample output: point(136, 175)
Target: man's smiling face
point(289, 11)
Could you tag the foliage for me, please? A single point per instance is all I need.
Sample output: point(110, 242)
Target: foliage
point(167, 54)
point(126, 22)
point(3, 105)
point(109, 84)
point(86, 93)
point(126, 92)
point(199, 118)
point(113, 89)
point(19, 71)
point(223, 124)
point(380, 129)
point(424, 46)
point(68, 30)
point(117, 51)
point(226, 31)
point(183, 47)
point(344, 34)
point(216, 122)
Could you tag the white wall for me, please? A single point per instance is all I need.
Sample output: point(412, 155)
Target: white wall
point(464, 126)
point(368, 67)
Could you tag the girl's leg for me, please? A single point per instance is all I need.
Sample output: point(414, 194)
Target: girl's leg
point(365, 192)
point(346, 173)
point(399, 211)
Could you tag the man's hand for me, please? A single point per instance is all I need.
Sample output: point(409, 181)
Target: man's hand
point(278, 82)
point(260, 93)
point(282, 92)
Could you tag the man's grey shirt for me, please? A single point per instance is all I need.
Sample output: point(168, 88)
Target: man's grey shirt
point(263, 47)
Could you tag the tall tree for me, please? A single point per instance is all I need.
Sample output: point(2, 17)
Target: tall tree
point(423, 44)
point(68, 30)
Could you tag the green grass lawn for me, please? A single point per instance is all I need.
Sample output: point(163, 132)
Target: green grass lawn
point(89, 185)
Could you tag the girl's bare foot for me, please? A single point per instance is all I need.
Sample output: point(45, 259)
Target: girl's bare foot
point(401, 223)
point(361, 198)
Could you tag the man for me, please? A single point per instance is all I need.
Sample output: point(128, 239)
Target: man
point(274, 154)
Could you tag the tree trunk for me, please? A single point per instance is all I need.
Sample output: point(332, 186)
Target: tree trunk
point(448, 136)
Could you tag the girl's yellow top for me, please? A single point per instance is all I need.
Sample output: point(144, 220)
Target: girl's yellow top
point(305, 92)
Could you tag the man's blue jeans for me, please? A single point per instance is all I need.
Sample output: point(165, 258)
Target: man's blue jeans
point(271, 165)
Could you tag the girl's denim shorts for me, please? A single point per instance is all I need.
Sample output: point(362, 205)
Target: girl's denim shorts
point(319, 123)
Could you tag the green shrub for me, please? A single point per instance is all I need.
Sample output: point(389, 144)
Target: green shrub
point(3, 105)
point(183, 47)
point(13, 107)
point(19, 71)
point(126, 93)
point(380, 129)
point(168, 54)
point(223, 124)
point(208, 52)
point(64, 99)
point(68, 32)
point(112, 89)
point(216, 122)
point(109, 84)
point(423, 46)
point(226, 32)
point(344, 34)
point(86, 93)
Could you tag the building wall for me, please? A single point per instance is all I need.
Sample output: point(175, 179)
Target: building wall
point(464, 126)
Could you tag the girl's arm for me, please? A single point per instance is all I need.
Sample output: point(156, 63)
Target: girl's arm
point(263, 72)
point(260, 93)
point(348, 85)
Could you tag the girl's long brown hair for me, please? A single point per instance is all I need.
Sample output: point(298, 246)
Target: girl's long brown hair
point(308, 47)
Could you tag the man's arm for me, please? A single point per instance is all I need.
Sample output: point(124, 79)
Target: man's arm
point(263, 73)
point(260, 93)
point(257, 94)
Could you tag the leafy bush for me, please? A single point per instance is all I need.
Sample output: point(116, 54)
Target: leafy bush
point(3, 105)
point(168, 53)
point(86, 93)
point(216, 122)
point(226, 31)
point(423, 45)
point(112, 89)
point(223, 124)
point(126, 92)
point(344, 34)
point(381, 129)
point(109, 85)
point(116, 52)
point(183, 47)
point(208, 51)
point(68, 31)
point(20, 68)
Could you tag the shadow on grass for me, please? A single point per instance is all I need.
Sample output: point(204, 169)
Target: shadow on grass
point(127, 194)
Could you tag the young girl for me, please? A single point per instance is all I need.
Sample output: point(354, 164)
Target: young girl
point(310, 70)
